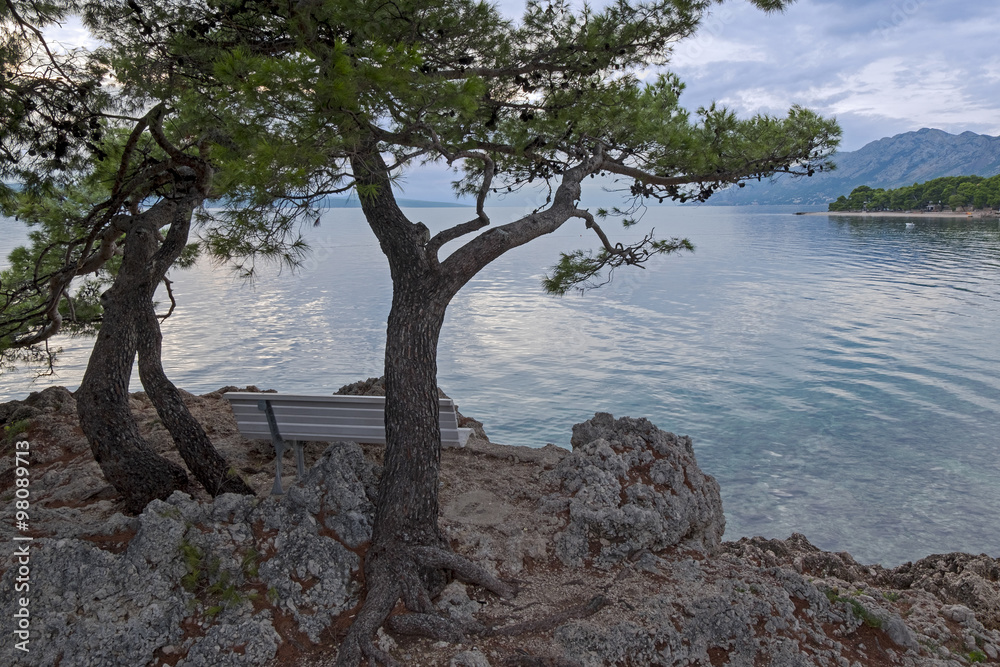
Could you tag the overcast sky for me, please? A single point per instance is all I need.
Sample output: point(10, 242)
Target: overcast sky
point(881, 68)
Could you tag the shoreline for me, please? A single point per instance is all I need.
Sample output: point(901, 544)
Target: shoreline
point(627, 520)
point(940, 215)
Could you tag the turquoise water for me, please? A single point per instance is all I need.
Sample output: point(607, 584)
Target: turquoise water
point(839, 377)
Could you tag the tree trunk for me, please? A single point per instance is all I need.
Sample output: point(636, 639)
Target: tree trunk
point(407, 508)
point(408, 558)
point(210, 467)
point(137, 472)
point(130, 326)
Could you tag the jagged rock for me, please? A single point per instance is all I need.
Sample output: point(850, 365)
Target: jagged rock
point(630, 487)
point(961, 579)
point(956, 578)
point(273, 582)
point(369, 387)
point(469, 659)
point(727, 615)
point(806, 558)
point(197, 569)
point(50, 399)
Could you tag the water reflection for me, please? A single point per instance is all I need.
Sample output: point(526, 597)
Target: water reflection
point(839, 376)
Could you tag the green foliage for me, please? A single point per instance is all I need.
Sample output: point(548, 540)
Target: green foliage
point(50, 103)
point(859, 611)
point(250, 562)
point(193, 557)
point(582, 270)
point(954, 191)
point(281, 98)
point(58, 230)
point(14, 429)
point(216, 588)
point(976, 656)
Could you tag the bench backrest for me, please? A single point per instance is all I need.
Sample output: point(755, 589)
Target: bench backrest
point(334, 418)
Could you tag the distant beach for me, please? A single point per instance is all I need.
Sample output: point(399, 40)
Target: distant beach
point(907, 214)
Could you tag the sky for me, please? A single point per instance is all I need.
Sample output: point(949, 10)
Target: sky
point(880, 68)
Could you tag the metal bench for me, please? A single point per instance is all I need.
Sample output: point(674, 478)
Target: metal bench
point(296, 418)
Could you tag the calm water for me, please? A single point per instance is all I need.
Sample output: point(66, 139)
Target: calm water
point(839, 378)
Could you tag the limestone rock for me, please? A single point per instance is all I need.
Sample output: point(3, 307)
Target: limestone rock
point(206, 580)
point(630, 487)
point(972, 581)
point(50, 399)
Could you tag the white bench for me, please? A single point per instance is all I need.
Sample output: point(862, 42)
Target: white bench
point(297, 418)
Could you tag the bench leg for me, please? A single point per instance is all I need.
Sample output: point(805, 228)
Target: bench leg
point(276, 440)
point(279, 450)
point(300, 462)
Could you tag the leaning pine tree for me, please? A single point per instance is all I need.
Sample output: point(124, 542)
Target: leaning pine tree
point(376, 88)
point(111, 179)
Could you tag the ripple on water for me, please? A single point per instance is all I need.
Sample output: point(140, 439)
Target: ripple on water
point(840, 378)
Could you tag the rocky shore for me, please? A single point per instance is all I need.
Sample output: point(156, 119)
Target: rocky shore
point(616, 545)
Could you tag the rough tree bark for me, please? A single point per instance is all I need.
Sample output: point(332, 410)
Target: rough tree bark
point(209, 467)
point(408, 558)
point(129, 327)
point(137, 472)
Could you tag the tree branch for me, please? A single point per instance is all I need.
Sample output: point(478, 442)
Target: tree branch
point(481, 220)
point(483, 249)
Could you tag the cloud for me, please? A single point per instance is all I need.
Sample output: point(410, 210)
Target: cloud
point(69, 35)
point(880, 68)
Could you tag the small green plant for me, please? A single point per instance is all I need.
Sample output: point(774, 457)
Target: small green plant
point(272, 595)
point(14, 429)
point(211, 584)
point(869, 619)
point(976, 656)
point(193, 557)
point(171, 513)
point(250, 562)
point(891, 596)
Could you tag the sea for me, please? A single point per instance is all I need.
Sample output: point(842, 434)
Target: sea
point(840, 377)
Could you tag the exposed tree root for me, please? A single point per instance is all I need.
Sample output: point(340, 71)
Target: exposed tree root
point(400, 579)
point(400, 574)
point(433, 626)
point(536, 661)
point(551, 621)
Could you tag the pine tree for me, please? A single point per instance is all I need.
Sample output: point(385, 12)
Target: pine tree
point(363, 90)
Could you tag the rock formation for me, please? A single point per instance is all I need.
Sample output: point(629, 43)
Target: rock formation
point(616, 546)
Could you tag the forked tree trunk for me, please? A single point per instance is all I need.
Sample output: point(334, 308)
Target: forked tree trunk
point(130, 326)
point(210, 467)
point(128, 462)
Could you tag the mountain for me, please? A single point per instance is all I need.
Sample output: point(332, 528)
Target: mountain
point(905, 159)
point(352, 202)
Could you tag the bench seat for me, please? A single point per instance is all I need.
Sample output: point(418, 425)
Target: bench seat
point(337, 418)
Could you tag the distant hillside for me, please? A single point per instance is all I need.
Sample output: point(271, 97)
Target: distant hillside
point(905, 159)
point(352, 202)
